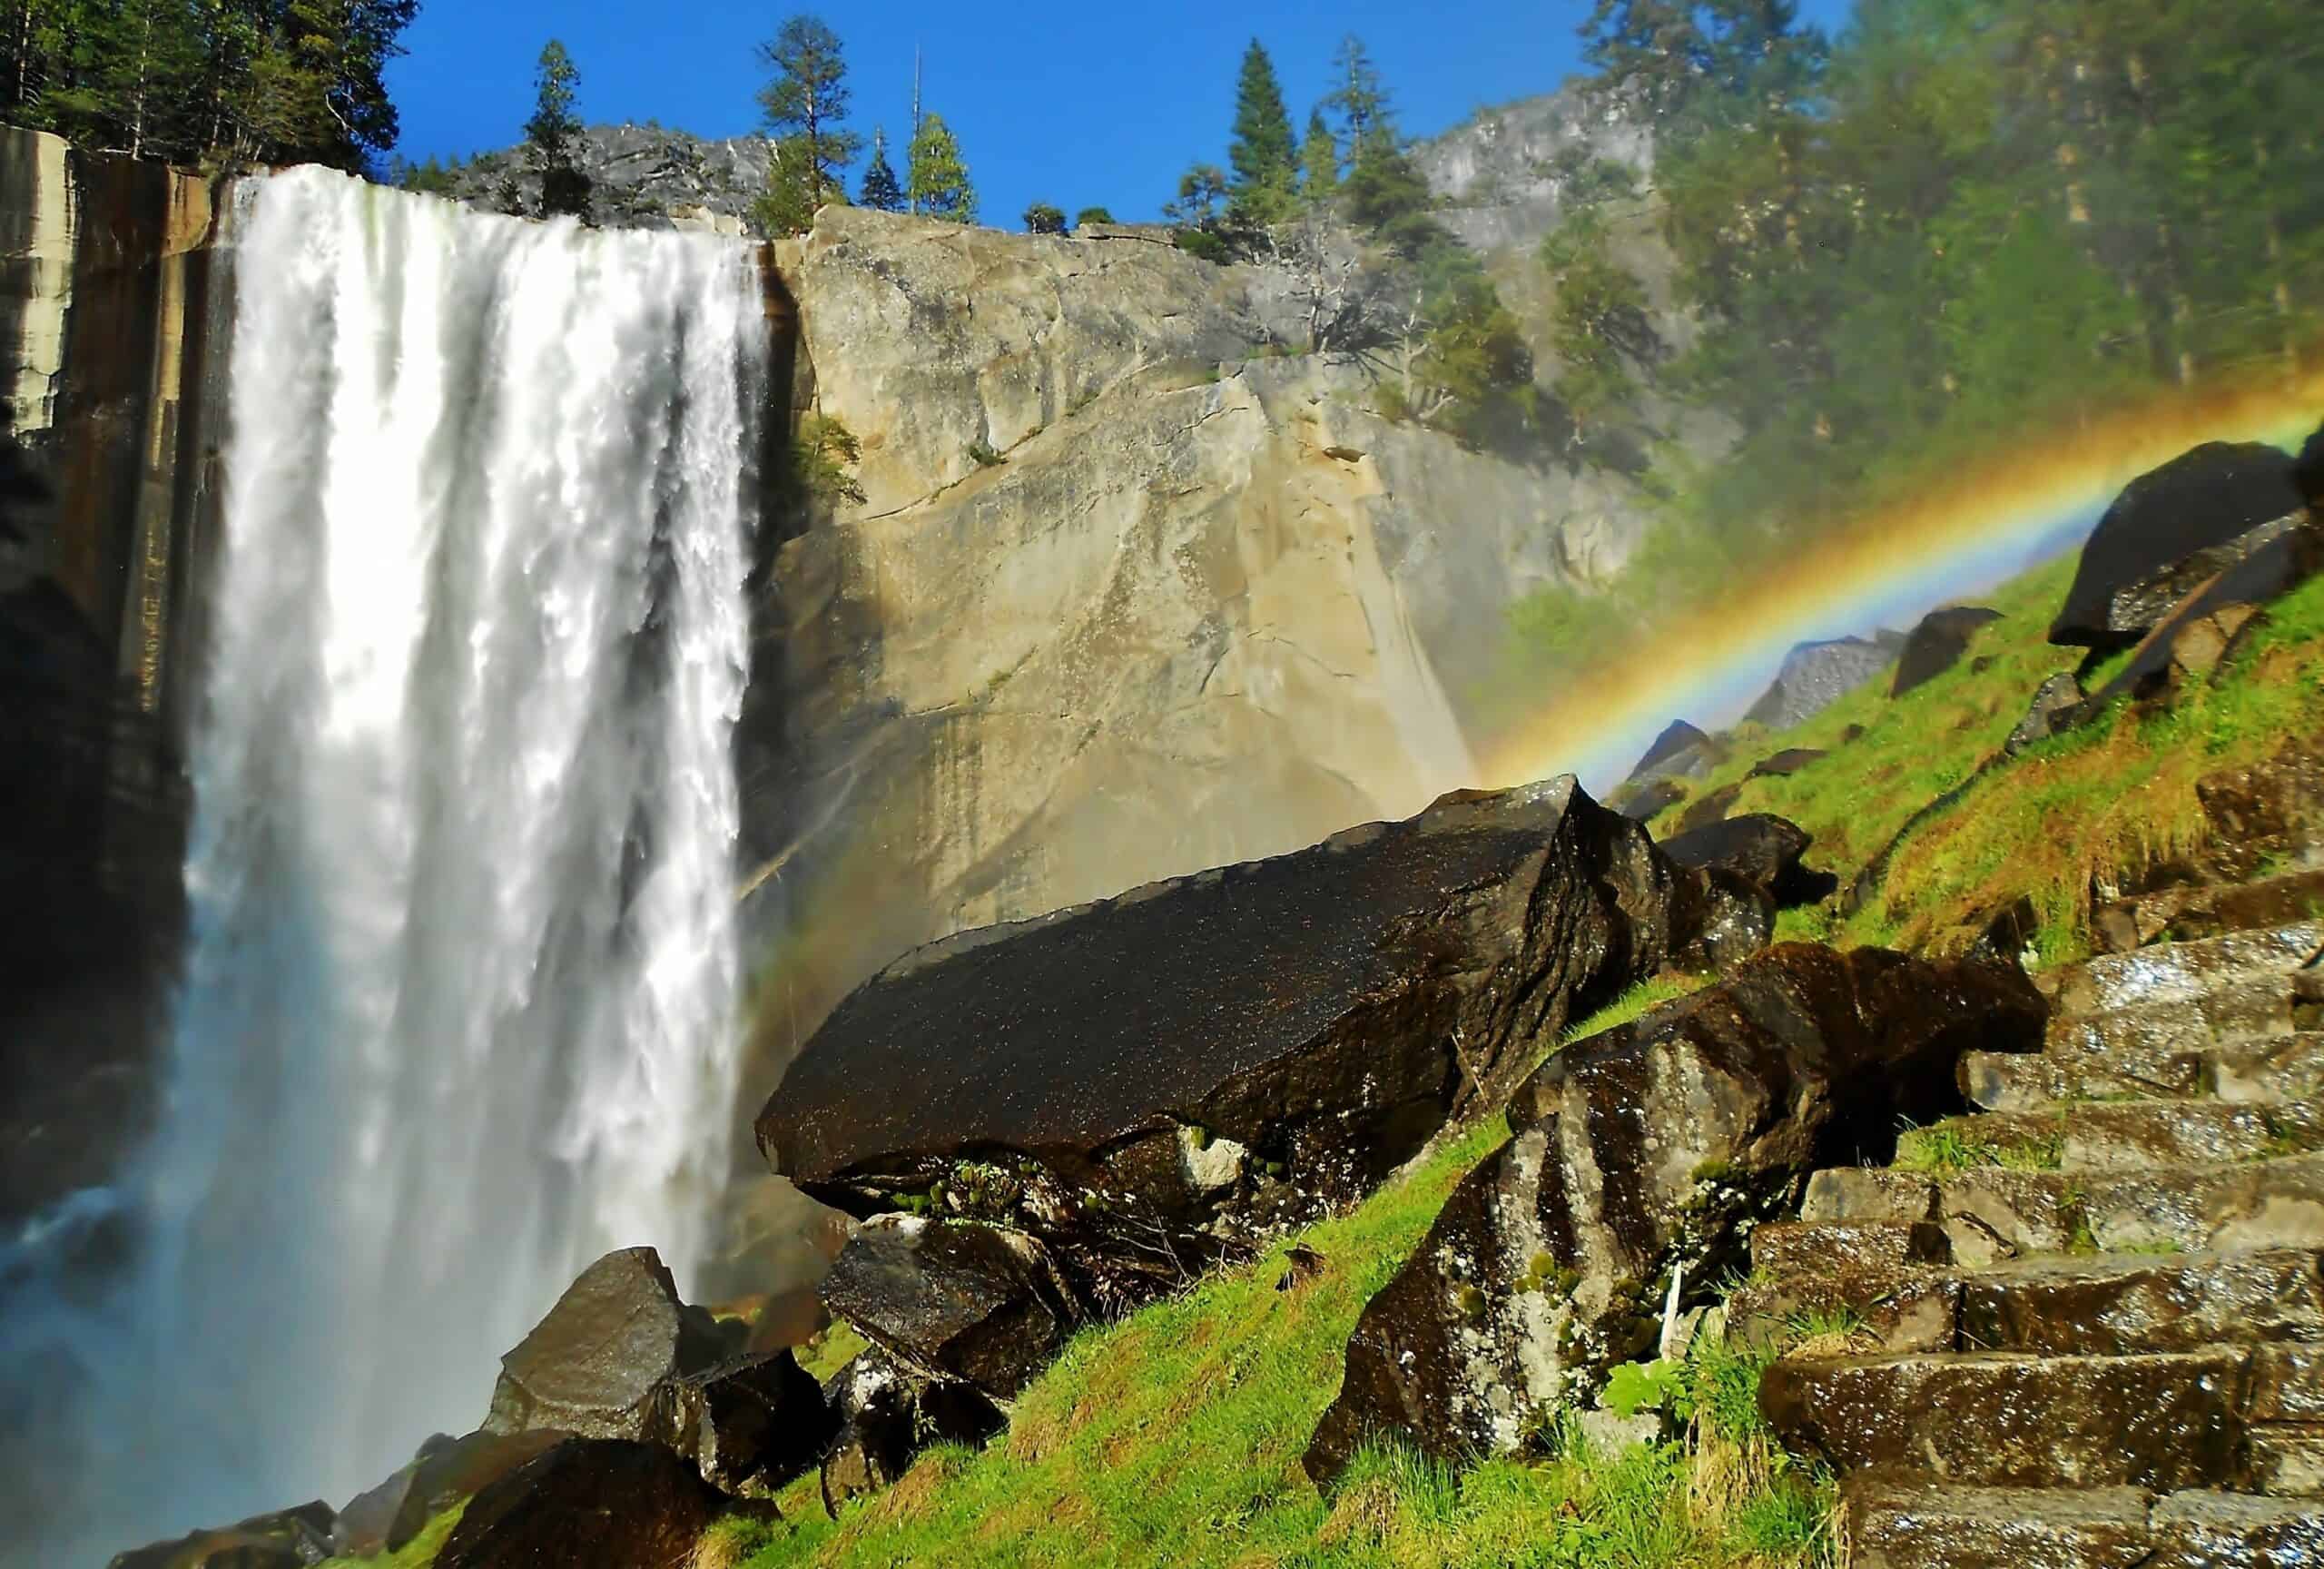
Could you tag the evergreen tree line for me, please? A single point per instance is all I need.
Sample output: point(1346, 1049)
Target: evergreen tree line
point(1958, 225)
point(195, 81)
point(1960, 220)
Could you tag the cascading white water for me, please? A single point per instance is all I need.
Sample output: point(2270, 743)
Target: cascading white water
point(457, 1013)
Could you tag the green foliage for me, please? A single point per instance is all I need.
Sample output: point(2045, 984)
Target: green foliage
point(1660, 1385)
point(803, 107)
point(1319, 162)
point(1600, 328)
point(1202, 197)
point(223, 81)
point(428, 178)
point(822, 457)
point(880, 191)
point(981, 454)
point(550, 133)
point(1263, 154)
point(1092, 215)
point(937, 178)
point(1042, 218)
point(417, 1554)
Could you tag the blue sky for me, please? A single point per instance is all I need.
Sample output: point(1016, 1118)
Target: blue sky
point(1092, 102)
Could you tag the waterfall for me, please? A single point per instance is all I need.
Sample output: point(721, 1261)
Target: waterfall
point(457, 1009)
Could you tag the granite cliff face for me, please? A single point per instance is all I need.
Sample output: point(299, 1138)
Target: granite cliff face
point(110, 294)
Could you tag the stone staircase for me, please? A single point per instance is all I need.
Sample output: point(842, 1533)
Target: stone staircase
point(2082, 1328)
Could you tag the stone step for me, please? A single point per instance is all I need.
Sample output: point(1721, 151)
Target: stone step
point(2281, 1068)
point(2110, 1305)
point(2184, 914)
point(2183, 971)
point(1846, 1247)
point(2097, 1136)
point(2002, 1419)
point(1923, 1527)
point(1990, 1214)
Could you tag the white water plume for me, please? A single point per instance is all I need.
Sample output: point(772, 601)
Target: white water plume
point(458, 1006)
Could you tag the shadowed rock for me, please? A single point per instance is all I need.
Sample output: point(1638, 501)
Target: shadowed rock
point(1649, 1149)
point(2052, 710)
point(980, 1304)
point(1760, 848)
point(2308, 471)
point(446, 1472)
point(594, 1366)
point(1680, 751)
point(749, 1422)
point(1783, 765)
point(1815, 675)
point(887, 1415)
point(1652, 800)
point(586, 1503)
point(2169, 529)
point(1712, 808)
point(1152, 1079)
point(290, 1539)
point(1937, 645)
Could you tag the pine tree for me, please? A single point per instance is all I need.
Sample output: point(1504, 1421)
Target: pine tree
point(804, 105)
point(1319, 161)
point(550, 135)
point(1362, 101)
point(1262, 153)
point(1092, 215)
point(1045, 218)
point(880, 191)
point(937, 180)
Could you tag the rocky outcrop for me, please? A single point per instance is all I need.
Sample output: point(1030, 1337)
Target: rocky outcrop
point(1640, 1161)
point(111, 297)
point(1144, 1082)
point(289, 1539)
point(586, 1503)
point(2171, 528)
point(446, 1472)
point(1936, 643)
point(1815, 675)
point(1783, 765)
point(1761, 850)
point(2052, 710)
point(887, 1414)
point(1680, 751)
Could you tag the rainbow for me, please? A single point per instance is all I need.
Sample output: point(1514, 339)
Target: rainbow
point(1888, 568)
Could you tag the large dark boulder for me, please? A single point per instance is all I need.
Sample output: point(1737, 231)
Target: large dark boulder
point(2169, 529)
point(2308, 471)
point(982, 1305)
point(586, 1503)
point(596, 1365)
point(750, 1424)
point(1156, 1079)
point(1762, 850)
point(887, 1414)
point(1815, 675)
point(1650, 1150)
point(446, 1472)
point(288, 1539)
point(1937, 645)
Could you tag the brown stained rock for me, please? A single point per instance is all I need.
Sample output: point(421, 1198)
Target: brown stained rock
point(1866, 1193)
point(2002, 1420)
point(1893, 1311)
point(2284, 1067)
point(2288, 1384)
point(982, 1305)
point(2193, 913)
point(1937, 645)
point(594, 1367)
point(2207, 1530)
point(1649, 1146)
point(1838, 1247)
point(1165, 1076)
point(288, 1539)
point(2263, 811)
point(2169, 529)
point(1912, 1528)
point(1710, 810)
point(586, 1503)
point(447, 1471)
point(2111, 1307)
point(1650, 801)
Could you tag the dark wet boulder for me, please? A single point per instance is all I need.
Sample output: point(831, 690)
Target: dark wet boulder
point(1144, 1084)
point(977, 1304)
point(1762, 850)
point(1649, 1150)
point(287, 1539)
point(2308, 471)
point(887, 1415)
point(1815, 675)
point(2052, 711)
point(751, 1423)
point(446, 1472)
point(1937, 645)
point(2169, 529)
point(1680, 751)
point(1783, 765)
point(586, 1503)
point(2202, 629)
point(596, 1364)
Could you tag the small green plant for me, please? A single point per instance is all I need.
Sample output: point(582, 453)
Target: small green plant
point(981, 454)
point(1662, 1385)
